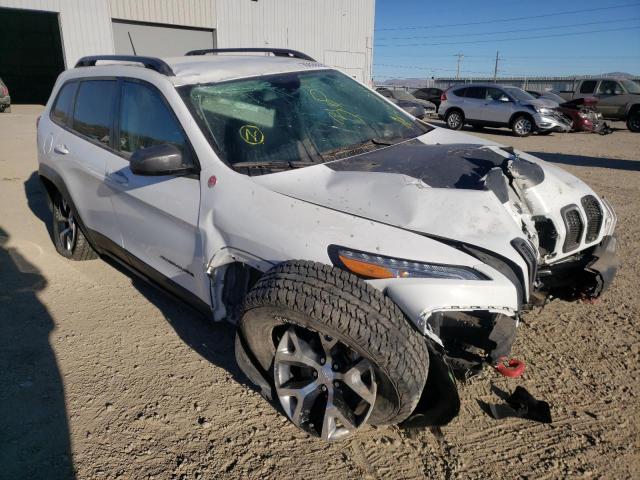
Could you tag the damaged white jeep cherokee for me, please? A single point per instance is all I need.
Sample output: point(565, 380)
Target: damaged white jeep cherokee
point(361, 253)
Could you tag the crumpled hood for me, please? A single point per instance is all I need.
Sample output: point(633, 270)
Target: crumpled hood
point(450, 190)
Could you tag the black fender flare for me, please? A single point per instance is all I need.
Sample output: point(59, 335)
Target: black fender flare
point(48, 174)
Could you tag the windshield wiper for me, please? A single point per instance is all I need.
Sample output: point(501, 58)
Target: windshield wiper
point(274, 165)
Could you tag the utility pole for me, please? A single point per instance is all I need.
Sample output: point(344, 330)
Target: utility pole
point(460, 57)
point(495, 70)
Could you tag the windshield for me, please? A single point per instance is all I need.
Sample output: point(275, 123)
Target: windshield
point(296, 117)
point(630, 86)
point(519, 94)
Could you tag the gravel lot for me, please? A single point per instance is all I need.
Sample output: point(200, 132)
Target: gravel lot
point(102, 376)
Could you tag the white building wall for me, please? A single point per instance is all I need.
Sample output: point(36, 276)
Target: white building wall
point(190, 13)
point(338, 33)
point(85, 25)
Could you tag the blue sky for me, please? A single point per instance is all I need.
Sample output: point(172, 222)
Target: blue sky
point(416, 38)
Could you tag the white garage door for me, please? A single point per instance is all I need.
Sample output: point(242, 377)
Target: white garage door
point(159, 40)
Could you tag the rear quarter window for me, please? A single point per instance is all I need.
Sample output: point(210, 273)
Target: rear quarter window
point(61, 110)
point(93, 114)
point(460, 92)
point(588, 86)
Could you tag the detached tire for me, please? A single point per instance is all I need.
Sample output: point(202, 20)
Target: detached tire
point(68, 238)
point(299, 311)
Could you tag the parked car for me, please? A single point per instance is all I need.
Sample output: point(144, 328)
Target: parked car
point(406, 101)
point(429, 94)
point(285, 197)
point(5, 99)
point(618, 99)
point(490, 105)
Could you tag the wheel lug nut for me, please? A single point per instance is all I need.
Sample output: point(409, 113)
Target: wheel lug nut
point(336, 383)
point(322, 361)
point(315, 374)
point(336, 366)
point(323, 388)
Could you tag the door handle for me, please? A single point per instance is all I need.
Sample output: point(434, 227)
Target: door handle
point(118, 177)
point(61, 149)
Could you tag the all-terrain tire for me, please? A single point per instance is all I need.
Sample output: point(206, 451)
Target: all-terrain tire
point(78, 248)
point(633, 120)
point(334, 302)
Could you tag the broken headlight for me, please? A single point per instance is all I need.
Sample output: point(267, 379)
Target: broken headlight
point(543, 110)
point(369, 265)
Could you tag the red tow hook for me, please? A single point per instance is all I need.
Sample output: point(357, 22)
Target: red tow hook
point(514, 369)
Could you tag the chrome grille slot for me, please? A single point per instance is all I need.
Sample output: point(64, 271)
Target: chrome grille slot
point(593, 212)
point(574, 228)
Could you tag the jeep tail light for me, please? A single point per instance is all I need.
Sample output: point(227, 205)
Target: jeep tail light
point(443, 97)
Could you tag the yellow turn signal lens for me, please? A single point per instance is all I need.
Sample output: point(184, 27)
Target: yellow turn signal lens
point(366, 269)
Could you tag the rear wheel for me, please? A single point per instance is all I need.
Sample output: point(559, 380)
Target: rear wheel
point(633, 121)
point(341, 353)
point(68, 239)
point(522, 126)
point(454, 119)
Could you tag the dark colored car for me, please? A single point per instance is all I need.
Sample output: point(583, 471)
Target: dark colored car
point(5, 99)
point(584, 114)
point(406, 101)
point(430, 94)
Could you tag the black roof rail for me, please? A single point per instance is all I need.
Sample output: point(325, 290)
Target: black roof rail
point(151, 63)
point(278, 52)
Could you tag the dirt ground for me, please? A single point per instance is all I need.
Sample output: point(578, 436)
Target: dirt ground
point(102, 376)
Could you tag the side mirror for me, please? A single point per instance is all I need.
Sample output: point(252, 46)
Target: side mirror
point(163, 159)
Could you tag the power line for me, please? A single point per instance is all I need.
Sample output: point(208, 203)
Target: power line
point(512, 39)
point(511, 19)
point(511, 31)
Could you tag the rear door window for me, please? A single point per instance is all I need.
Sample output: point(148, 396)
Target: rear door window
point(147, 120)
point(476, 92)
point(93, 114)
point(61, 110)
point(588, 86)
point(460, 92)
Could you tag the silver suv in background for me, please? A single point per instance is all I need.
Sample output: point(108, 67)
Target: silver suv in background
point(490, 105)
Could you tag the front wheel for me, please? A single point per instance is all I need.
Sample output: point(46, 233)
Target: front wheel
point(522, 126)
point(340, 352)
point(633, 121)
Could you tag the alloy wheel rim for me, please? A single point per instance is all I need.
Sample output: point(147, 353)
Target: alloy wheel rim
point(324, 387)
point(454, 120)
point(67, 228)
point(523, 126)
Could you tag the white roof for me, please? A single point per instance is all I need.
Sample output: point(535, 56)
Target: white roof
point(219, 68)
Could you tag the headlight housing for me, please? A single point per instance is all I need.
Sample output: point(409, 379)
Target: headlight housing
point(374, 266)
point(543, 110)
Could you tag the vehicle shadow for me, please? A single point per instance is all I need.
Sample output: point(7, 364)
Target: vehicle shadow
point(584, 161)
point(213, 341)
point(37, 200)
point(34, 433)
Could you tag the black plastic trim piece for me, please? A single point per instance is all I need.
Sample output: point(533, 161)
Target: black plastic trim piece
point(152, 63)
point(278, 52)
point(570, 244)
